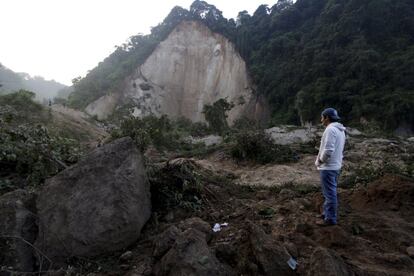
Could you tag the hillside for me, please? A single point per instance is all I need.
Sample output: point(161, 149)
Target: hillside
point(37, 142)
point(44, 89)
point(302, 56)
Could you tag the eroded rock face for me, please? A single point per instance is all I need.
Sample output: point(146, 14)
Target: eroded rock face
point(98, 205)
point(102, 107)
point(189, 69)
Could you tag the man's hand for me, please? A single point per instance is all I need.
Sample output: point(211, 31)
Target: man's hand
point(318, 162)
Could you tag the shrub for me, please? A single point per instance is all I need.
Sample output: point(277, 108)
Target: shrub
point(28, 155)
point(23, 100)
point(216, 116)
point(257, 146)
point(197, 129)
point(149, 131)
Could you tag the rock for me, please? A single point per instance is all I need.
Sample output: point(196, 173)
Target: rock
point(127, 256)
point(287, 135)
point(271, 257)
point(190, 255)
point(125, 267)
point(353, 131)
point(102, 107)
point(210, 140)
point(410, 251)
point(97, 206)
point(328, 263)
point(17, 225)
point(198, 224)
point(142, 268)
point(181, 87)
point(165, 241)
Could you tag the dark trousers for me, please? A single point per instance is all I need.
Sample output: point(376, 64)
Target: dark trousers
point(329, 182)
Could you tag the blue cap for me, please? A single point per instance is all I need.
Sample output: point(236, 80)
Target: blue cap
point(331, 113)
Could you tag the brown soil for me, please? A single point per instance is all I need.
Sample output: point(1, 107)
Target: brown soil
point(376, 226)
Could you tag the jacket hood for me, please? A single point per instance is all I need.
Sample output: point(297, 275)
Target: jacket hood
point(338, 126)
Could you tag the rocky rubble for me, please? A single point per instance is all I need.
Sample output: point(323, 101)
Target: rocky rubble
point(264, 227)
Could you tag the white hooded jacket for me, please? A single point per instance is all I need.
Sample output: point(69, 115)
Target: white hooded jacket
point(331, 149)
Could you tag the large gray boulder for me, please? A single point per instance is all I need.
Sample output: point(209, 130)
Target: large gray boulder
point(17, 231)
point(98, 205)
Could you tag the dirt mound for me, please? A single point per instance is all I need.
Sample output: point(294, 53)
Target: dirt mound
point(389, 193)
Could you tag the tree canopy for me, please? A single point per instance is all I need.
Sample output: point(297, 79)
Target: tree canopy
point(355, 55)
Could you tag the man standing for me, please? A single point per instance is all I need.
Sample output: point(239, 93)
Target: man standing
point(329, 163)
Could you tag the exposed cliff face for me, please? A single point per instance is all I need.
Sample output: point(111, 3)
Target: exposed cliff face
point(191, 68)
point(102, 107)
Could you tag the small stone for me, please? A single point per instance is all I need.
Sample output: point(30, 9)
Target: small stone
point(126, 256)
point(124, 267)
point(410, 251)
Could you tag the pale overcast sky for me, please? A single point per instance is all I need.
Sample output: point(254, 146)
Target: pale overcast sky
point(63, 39)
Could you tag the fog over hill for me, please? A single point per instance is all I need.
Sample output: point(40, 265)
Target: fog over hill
point(12, 81)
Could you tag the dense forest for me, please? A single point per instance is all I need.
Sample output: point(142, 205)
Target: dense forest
point(44, 89)
point(356, 55)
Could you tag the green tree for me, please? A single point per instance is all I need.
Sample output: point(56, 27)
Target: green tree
point(216, 116)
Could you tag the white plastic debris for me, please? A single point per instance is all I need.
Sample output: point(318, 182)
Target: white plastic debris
point(217, 226)
point(292, 263)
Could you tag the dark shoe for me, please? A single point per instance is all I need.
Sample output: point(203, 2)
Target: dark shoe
point(321, 216)
point(323, 223)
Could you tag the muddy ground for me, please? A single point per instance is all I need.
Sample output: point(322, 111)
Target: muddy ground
point(267, 225)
